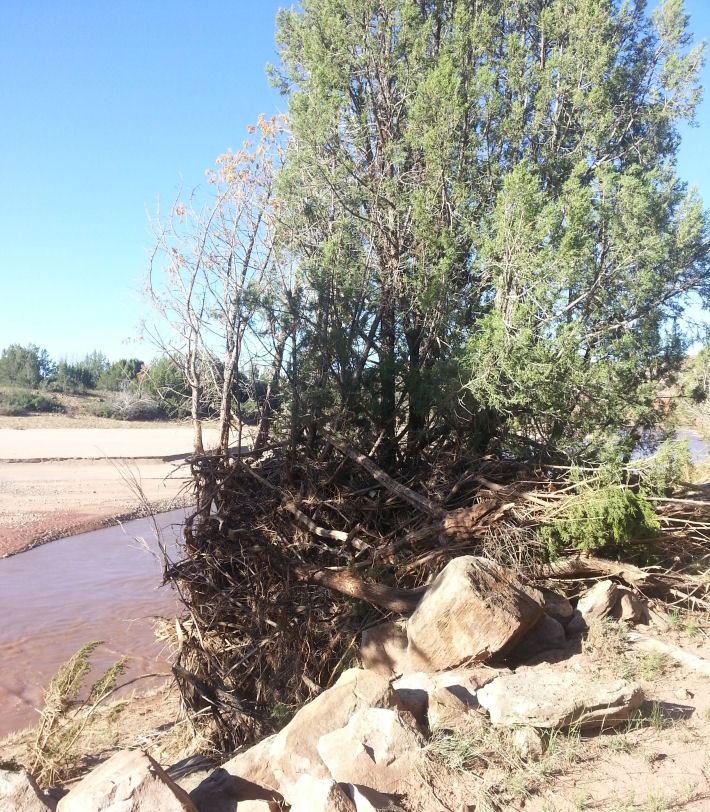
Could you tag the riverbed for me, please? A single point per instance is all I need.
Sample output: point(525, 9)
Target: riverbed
point(102, 585)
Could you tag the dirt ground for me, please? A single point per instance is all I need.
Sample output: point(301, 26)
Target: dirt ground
point(60, 475)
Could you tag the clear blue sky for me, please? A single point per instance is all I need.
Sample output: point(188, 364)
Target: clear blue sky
point(104, 107)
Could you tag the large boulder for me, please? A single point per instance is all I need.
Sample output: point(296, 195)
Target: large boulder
point(294, 752)
point(383, 648)
point(548, 699)
point(130, 781)
point(473, 609)
point(376, 749)
point(19, 793)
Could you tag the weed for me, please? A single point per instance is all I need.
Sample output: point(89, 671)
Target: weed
point(459, 751)
point(657, 719)
point(281, 713)
point(654, 666)
point(675, 620)
point(56, 751)
point(691, 628)
point(582, 801)
point(656, 803)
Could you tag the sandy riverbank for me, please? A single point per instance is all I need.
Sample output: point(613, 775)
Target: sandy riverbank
point(56, 481)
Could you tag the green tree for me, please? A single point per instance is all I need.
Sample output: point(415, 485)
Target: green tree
point(491, 224)
point(119, 372)
point(25, 366)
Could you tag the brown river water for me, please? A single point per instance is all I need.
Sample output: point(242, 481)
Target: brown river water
point(103, 585)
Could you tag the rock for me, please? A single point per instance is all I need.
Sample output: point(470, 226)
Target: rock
point(130, 781)
point(367, 799)
point(596, 604)
point(414, 690)
point(294, 753)
point(547, 634)
point(383, 648)
point(630, 608)
point(556, 605)
point(19, 793)
point(319, 795)
point(551, 699)
point(246, 777)
point(473, 609)
point(528, 744)
point(375, 749)
point(447, 711)
point(223, 791)
point(190, 772)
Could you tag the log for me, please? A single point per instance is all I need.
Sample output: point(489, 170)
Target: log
point(591, 566)
point(394, 599)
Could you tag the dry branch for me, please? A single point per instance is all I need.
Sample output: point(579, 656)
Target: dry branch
point(393, 599)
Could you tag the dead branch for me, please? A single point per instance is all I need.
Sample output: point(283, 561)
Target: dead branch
point(393, 599)
point(415, 499)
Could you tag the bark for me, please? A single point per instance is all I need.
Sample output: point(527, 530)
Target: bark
point(402, 601)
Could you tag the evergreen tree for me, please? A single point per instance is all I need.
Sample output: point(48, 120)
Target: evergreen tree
point(491, 224)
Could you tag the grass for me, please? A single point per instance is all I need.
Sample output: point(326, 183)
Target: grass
point(654, 666)
point(57, 750)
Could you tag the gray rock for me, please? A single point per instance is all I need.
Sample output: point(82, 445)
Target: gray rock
point(556, 605)
point(383, 648)
point(551, 699)
point(294, 752)
point(375, 749)
point(414, 690)
point(528, 744)
point(130, 781)
point(19, 793)
point(630, 607)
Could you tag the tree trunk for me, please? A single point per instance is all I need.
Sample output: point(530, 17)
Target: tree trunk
point(267, 410)
point(388, 449)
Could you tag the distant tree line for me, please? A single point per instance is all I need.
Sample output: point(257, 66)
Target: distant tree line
point(136, 390)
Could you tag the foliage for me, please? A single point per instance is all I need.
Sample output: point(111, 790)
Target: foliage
point(20, 402)
point(601, 516)
point(24, 366)
point(56, 750)
point(166, 383)
point(115, 375)
point(610, 507)
point(485, 195)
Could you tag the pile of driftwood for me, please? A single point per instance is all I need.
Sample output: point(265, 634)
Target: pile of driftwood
point(284, 565)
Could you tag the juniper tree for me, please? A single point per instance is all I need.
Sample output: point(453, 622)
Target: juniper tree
point(490, 216)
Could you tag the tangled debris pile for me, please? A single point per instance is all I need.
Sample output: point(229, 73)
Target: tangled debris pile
point(286, 564)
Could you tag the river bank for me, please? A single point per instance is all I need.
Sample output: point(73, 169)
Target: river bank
point(57, 481)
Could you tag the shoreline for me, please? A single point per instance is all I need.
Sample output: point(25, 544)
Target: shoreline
point(61, 525)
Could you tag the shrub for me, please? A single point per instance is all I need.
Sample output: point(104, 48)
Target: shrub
point(22, 402)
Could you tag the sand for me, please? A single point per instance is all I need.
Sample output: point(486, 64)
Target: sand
point(59, 480)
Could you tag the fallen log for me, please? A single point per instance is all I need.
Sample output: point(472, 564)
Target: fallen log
point(394, 599)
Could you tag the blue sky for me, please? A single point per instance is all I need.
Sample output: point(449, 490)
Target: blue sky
point(105, 106)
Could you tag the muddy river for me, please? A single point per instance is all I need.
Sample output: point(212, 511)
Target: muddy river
point(103, 585)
